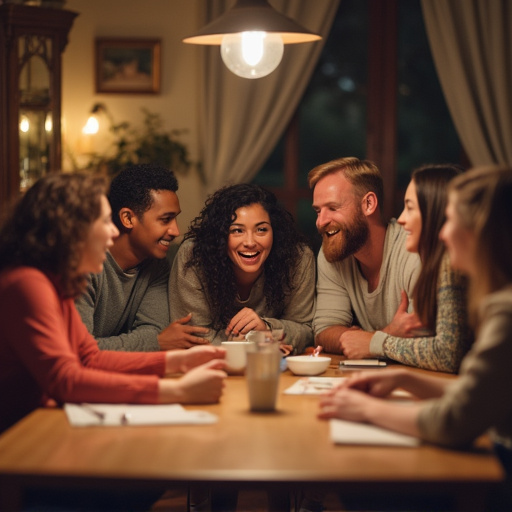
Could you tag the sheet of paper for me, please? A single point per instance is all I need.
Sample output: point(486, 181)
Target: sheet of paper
point(84, 415)
point(313, 385)
point(319, 385)
point(348, 432)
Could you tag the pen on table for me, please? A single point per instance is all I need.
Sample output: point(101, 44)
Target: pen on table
point(89, 408)
point(123, 420)
point(362, 363)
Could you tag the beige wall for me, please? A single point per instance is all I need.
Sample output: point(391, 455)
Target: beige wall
point(169, 20)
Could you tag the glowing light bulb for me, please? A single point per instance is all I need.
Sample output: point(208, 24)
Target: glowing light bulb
point(91, 127)
point(252, 47)
point(24, 124)
point(252, 54)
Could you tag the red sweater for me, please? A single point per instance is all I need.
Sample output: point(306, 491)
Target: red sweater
point(47, 353)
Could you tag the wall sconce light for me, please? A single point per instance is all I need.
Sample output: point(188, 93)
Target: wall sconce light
point(251, 35)
point(48, 122)
point(24, 123)
point(92, 125)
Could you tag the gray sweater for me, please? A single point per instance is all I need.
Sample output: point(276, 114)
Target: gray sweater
point(189, 296)
point(126, 311)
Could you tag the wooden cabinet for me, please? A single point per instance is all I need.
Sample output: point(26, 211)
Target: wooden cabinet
point(32, 40)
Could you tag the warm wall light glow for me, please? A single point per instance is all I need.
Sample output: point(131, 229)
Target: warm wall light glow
point(252, 54)
point(24, 124)
point(91, 127)
point(48, 123)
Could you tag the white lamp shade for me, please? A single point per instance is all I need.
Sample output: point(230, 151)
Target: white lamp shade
point(252, 15)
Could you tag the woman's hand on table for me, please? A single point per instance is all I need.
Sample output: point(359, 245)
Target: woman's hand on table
point(182, 361)
point(376, 383)
point(353, 405)
point(345, 404)
point(356, 398)
point(201, 385)
point(244, 321)
point(381, 383)
point(179, 334)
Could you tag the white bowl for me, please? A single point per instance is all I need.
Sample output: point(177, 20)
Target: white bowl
point(308, 365)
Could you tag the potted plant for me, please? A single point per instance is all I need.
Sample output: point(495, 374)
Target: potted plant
point(152, 144)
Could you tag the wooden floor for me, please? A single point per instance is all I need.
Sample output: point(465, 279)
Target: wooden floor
point(248, 501)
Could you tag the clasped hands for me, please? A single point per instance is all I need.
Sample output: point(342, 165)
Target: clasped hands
point(180, 334)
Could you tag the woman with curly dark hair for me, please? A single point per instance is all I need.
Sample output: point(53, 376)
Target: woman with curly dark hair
point(58, 233)
point(244, 266)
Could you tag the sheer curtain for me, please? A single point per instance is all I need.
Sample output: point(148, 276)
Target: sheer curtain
point(471, 43)
point(241, 120)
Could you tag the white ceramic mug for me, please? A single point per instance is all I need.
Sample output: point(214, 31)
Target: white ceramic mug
point(236, 358)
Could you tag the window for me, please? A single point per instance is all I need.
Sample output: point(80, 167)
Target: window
point(425, 130)
point(374, 94)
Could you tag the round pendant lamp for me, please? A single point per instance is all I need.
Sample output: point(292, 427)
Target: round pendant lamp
point(252, 35)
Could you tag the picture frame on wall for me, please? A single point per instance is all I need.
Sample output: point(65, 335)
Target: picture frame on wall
point(127, 65)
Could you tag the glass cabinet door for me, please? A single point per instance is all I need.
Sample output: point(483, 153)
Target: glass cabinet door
point(32, 39)
point(35, 111)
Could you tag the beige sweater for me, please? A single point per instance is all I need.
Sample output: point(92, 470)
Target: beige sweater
point(479, 399)
point(342, 291)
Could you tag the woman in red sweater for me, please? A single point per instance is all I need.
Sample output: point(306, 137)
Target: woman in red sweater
point(57, 233)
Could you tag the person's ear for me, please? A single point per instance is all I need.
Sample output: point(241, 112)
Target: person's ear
point(126, 216)
point(369, 203)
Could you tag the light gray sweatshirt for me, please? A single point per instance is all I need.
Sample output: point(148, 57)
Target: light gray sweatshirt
point(342, 291)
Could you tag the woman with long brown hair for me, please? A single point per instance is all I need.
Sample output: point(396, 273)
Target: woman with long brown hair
point(442, 335)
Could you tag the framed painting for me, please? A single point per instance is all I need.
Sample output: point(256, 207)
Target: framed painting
point(127, 66)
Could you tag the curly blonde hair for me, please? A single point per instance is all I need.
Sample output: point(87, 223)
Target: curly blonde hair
point(48, 226)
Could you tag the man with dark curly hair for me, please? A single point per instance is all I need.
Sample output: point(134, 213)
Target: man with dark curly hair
point(126, 307)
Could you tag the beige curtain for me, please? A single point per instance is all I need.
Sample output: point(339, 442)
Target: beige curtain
point(241, 120)
point(471, 42)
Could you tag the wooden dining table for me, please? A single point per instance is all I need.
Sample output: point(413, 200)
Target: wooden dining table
point(289, 449)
